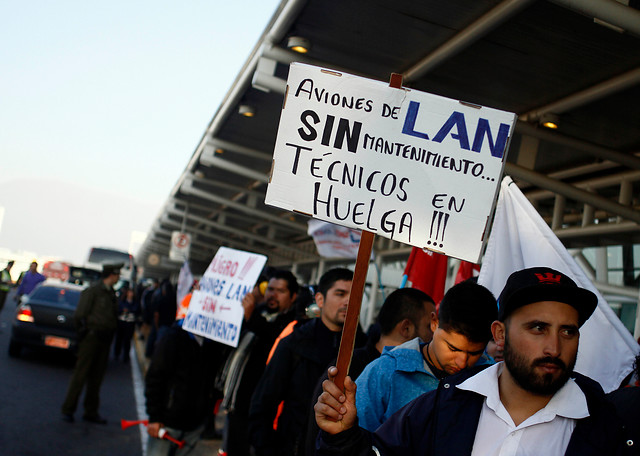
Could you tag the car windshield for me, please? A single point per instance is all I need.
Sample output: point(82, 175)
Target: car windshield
point(62, 296)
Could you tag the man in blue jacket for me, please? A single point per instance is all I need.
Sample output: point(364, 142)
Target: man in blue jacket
point(29, 280)
point(532, 403)
point(459, 335)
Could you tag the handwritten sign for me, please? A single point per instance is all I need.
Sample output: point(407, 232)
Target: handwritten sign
point(407, 165)
point(216, 310)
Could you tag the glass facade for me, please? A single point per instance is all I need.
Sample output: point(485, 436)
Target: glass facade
point(622, 270)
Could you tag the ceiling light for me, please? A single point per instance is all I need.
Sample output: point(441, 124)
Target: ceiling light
point(246, 110)
point(299, 44)
point(219, 151)
point(549, 121)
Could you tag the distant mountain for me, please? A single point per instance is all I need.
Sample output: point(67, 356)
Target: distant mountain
point(65, 220)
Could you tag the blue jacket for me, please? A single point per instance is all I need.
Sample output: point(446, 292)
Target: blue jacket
point(29, 282)
point(444, 422)
point(390, 382)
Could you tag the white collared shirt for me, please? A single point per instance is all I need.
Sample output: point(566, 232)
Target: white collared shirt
point(547, 432)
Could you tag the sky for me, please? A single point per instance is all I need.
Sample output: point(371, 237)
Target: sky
point(102, 104)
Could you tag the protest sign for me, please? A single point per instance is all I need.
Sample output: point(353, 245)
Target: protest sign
point(216, 310)
point(410, 166)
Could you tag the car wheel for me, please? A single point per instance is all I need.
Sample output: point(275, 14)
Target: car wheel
point(14, 349)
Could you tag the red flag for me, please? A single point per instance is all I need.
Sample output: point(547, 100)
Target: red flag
point(426, 271)
point(466, 271)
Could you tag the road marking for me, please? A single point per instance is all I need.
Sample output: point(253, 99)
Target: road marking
point(138, 391)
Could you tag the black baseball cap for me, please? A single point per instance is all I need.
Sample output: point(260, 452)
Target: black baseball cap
point(544, 284)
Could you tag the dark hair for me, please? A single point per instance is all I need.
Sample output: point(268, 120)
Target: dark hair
point(402, 303)
point(303, 300)
point(292, 282)
point(330, 277)
point(105, 273)
point(468, 309)
point(166, 286)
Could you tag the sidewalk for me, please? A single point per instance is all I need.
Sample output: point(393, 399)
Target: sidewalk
point(204, 447)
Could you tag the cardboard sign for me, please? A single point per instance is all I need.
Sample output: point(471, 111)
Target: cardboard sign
point(410, 166)
point(216, 310)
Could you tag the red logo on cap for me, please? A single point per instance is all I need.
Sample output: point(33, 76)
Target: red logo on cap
point(548, 278)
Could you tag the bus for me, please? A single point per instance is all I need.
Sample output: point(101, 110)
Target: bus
point(102, 255)
point(56, 270)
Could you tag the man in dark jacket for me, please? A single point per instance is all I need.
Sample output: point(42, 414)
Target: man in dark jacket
point(96, 319)
point(164, 305)
point(264, 319)
point(532, 403)
point(404, 315)
point(179, 388)
point(292, 373)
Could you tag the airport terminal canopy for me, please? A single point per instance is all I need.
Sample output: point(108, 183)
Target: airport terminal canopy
point(574, 63)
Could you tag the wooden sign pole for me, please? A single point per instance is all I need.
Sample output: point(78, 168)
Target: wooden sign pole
point(357, 289)
point(353, 309)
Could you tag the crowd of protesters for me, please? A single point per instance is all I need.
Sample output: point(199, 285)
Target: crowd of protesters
point(470, 376)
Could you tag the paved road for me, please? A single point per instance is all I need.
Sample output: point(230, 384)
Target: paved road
point(32, 388)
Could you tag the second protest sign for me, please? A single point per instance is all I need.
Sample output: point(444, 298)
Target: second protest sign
point(215, 310)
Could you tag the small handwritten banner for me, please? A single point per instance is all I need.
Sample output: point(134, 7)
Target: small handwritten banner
point(407, 165)
point(215, 310)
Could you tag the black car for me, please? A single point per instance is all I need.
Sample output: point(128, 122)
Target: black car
point(44, 318)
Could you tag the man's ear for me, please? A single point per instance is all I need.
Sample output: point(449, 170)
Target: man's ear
point(405, 328)
point(499, 330)
point(434, 322)
point(319, 299)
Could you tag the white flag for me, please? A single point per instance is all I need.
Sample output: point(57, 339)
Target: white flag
point(520, 239)
point(185, 280)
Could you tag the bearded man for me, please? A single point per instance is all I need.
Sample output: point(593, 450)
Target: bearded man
point(532, 403)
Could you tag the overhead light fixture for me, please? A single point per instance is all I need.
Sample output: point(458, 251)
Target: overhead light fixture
point(550, 121)
point(219, 151)
point(246, 110)
point(299, 44)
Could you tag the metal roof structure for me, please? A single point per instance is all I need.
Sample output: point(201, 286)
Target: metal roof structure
point(577, 61)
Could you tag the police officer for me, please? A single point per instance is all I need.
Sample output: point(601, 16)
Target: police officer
point(96, 319)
